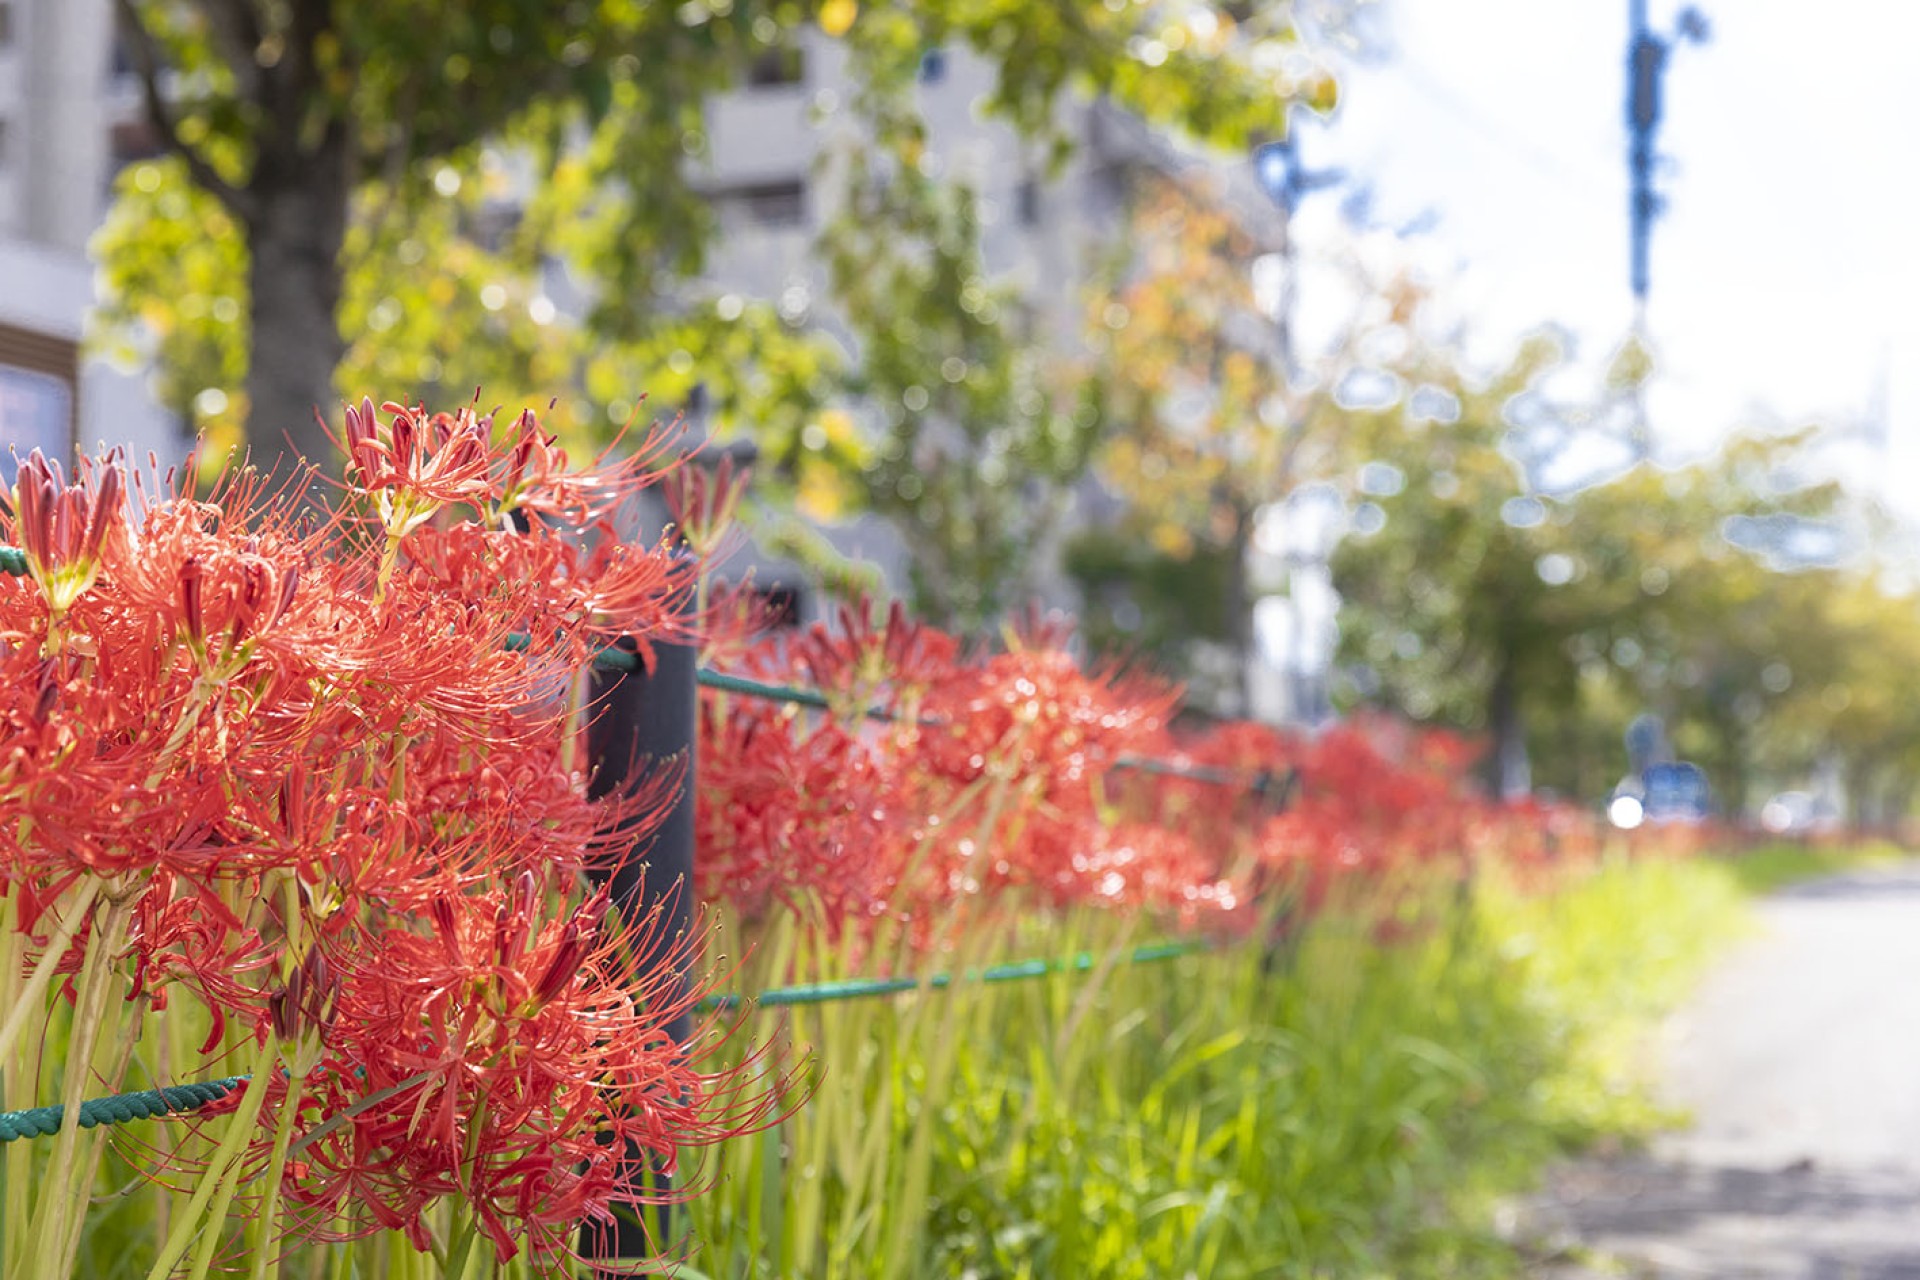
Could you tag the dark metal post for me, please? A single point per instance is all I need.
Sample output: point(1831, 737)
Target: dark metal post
point(640, 720)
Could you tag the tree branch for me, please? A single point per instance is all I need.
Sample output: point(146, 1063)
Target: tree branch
point(146, 58)
point(310, 20)
point(236, 32)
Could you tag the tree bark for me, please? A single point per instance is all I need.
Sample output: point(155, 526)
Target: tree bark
point(295, 233)
point(1240, 609)
point(1509, 775)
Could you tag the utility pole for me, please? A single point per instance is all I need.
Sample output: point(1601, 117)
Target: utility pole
point(1287, 181)
point(1646, 69)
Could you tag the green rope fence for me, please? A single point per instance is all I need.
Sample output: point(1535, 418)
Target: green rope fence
point(144, 1104)
point(868, 988)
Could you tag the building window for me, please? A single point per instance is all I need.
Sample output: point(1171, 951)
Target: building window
point(769, 204)
point(1026, 199)
point(39, 376)
point(782, 64)
point(132, 140)
point(933, 66)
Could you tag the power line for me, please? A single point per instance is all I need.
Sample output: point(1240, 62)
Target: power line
point(1529, 152)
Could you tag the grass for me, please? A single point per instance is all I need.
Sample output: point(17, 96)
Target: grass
point(1346, 1108)
point(1776, 865)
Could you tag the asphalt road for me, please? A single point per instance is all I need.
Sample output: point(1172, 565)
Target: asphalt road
point(1800, 1063)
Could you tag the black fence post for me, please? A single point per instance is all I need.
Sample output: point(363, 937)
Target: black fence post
point(641, 720)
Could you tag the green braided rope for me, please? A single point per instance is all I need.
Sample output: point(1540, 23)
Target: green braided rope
point(786, 693)
point(868, 988)
point(608, 659)
point(145, 1104)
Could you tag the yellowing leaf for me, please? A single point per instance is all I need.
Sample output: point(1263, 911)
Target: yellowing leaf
point(836, 16)
point(1173, 541)
point(822, 494)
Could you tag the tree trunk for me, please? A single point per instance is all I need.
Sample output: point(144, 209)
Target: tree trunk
point(1509, 776)
point(1240, 610)
point(1856, 777)
point(294, 238)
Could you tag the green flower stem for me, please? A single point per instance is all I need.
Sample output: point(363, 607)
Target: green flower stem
point(97, 1137)
point(65, 1191)
point(29, 997)
point(465, 1219)
point(266, 1251)
point(226, 1156)
point(16, 1079)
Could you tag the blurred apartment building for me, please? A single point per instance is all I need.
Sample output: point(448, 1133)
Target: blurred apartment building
point(1044, 232)
point(67, 123)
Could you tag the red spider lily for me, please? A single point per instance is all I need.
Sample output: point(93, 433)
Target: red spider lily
point(1154, 867)
point(999, 783)
point(63, 528)
point(863, 663)
point(1053, 732)
point(536, 1054)
point(736, 620)
point(416, 463)
point(584, 597)
point(581, 497)
point(1254, 771)
point(702, 500)
point(805, 818)
point(532, 465)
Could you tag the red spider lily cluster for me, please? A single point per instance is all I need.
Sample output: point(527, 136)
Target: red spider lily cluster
point(278, 770)
point(944, 778)
point(939, 777)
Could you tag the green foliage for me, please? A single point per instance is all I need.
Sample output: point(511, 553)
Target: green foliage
point(1596, 606)
point(1341, 1107)
point(1145, 602)
point(174, 292)
point(446, 172)
point(1344, 1106)
point(1204, 426)
point(976, 441)
point(1774, 866)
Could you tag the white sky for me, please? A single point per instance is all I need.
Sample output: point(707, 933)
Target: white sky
point(1784, 275)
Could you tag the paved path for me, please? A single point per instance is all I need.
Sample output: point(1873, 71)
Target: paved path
point(1800, 1063)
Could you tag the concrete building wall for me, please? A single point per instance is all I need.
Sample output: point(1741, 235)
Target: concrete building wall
point(1044, 233)
point(59, 108)
point(61, 57)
